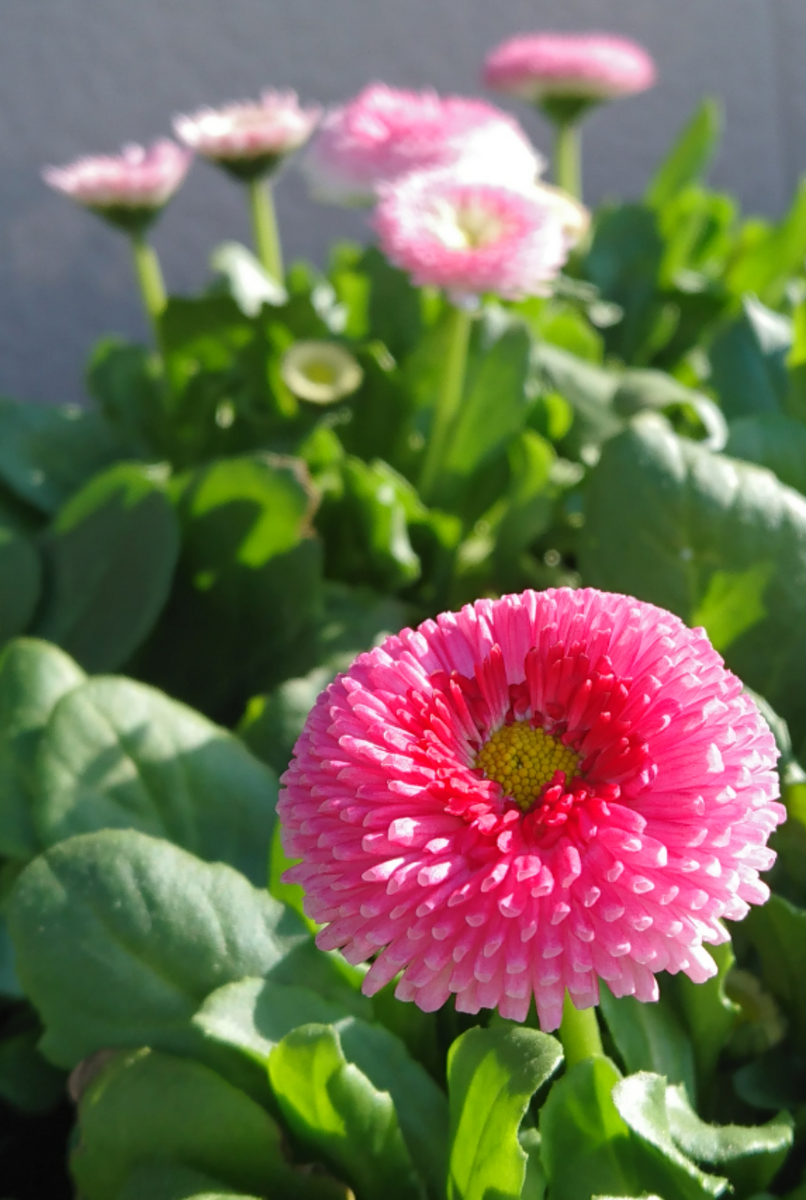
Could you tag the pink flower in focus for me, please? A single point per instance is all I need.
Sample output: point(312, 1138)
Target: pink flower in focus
point(530, 795)
point(130, 188)
point(595, 66)
point(452, 230)
point(385, 133)
point(249, 139)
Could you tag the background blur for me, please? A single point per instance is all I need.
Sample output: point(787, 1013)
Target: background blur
point(83, 76)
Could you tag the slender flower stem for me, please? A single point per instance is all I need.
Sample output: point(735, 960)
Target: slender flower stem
point(264, 227)
point(579, 1033)
point(149, 276)
point(568, 157)
point(449, 398)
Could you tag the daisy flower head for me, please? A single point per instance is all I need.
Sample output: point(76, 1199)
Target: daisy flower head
point(455, 230)
point(249, 139)
point(580, 66)
point(385, 133)
point(528, 796)
point(129, 189)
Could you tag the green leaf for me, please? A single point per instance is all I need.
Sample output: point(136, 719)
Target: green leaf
point(707, 1013)
point(272, 723)
point(748, 1156)
point(535, 1182)
point(778, 932)
point(766, 265)
point(689, 156)
point(116, 754)
point(125, 380)
point(649, 1037)
point(247, 594)
point(586, 1145)
point(664, 516)
point(171, 1181)
point(530, 502)
point(334, 1110)
point(624, 262)
point(733, 604)
point(749, 361)
point(47, 454)
point(110, 554)
point(394, 304)
point(120, 937)
point(146, 1105)
point(641, 1102)
point(492, 1076)
point(27, 1082)
point(20, 582)
point(774, 441)
point(34, 675)
point(589, 390)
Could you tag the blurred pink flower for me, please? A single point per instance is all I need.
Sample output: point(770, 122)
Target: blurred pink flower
point(385, 133)
point(250, 138)
point(454, 230)
point(130, 188)
point(530, 795)
point(595, 66)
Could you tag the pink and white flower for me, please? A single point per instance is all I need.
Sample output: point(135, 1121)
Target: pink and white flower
point(594, 66)
point(453, 230)
point(384, 133)
point(528, 796)
point(250, 138)
point(130, 188)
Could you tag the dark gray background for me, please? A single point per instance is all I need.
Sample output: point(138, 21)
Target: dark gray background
point(79, 76)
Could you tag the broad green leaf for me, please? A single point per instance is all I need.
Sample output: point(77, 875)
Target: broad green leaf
point(665, 518)
point(707, 1013)
point(171, 1181)
point(47, 454)
point(492, 1076)
point(292, 894)
point(395, 315)
point(125, 380)
point(589, 390)
point(586, 1146)
point(110, 555)
point(690, 154)
point(624, 262)
point(272, 723)
point(116, 754)
point(641, 1102)
point(749, 362)
point(334, 1110)
point(535, 1182)
point(649, 1037)
point(146, 1105)
point(207, 329)
point(774, 1080)
point(34, 675)
point(247, 594)
point(778, 932)
point(20, 582)
point(748, 1156)
point(120, 937)
point(774, 441)
point(733, 603)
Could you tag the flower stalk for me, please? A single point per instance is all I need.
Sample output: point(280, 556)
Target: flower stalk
point(149, 277)
point(449, 398)
point(264, 227)
point(568, 158)
point(579, 1033)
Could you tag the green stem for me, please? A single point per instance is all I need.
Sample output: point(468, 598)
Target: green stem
point(449, 398)
point(149, 276)
point(579, 1033)
point(264, 227)
point(568, 158)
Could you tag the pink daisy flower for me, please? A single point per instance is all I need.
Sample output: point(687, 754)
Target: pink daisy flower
point(593, 66)
point(249, 139)
point(452, 230)
point(385, 133)
point(130, 188)
point(528, 796)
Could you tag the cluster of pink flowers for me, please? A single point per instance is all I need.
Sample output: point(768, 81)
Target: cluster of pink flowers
point(593, 66)
point(528, 796)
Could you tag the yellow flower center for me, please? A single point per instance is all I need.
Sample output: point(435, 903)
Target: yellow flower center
point(523, 760)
